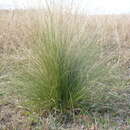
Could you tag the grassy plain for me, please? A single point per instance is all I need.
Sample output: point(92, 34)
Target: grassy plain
point(21, 38)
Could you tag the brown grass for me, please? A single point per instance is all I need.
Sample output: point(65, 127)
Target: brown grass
point(16, 28)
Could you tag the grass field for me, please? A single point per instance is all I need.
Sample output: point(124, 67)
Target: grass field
point(80, 64)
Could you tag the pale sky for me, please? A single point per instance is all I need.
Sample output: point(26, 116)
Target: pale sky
point(92, 6)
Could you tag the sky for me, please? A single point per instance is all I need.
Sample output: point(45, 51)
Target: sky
point(91, 6)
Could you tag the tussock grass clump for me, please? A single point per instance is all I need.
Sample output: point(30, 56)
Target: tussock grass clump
point(67, 69)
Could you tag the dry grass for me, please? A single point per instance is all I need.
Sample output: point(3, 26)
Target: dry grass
point(17, 27)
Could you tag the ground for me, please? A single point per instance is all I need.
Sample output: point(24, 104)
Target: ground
point(15, 115)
